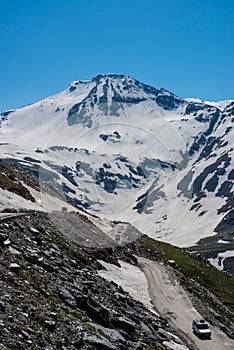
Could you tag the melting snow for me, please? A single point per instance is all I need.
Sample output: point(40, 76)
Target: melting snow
point(131, 279)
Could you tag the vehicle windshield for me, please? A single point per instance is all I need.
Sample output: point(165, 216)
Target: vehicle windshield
point(203, 326)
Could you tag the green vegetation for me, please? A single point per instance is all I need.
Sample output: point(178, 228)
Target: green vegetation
point(154, 345)
point(77, 314)
point(193, 268)
point(151, 344)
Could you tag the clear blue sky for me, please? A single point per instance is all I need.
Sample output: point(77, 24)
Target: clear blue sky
point(185, 46)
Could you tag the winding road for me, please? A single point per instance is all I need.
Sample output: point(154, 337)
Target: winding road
point(173, 302)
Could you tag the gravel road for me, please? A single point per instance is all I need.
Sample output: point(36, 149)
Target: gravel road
point(173, 302)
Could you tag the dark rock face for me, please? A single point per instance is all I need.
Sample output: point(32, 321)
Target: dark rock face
point(66, 296)
point(230, 109)
point(4, 115)
point(77, 115)
point(30, 159)
point(99, 342)
point(192, 108)
point(229, 265)
point(141, 202)
point(69, 175)
point(72, 88)
point(111, 180)
point(11, 180)
point(168, 102)
point(209, 179)
point(104, 137)
point(123, 91)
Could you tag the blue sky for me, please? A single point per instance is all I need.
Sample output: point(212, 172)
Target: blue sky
point(185, 46)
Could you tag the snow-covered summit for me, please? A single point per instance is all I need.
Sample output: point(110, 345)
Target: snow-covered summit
point(132, 152)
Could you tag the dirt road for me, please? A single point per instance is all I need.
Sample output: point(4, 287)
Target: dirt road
point(172, 301)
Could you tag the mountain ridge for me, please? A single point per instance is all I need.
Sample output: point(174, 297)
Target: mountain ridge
point(128, 151)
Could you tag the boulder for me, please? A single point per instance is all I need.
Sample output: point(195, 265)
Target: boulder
point(109, 332)
point(14, 267)
point(3, 238)
point(124, 323)
point(99, 342)
point(66, 296)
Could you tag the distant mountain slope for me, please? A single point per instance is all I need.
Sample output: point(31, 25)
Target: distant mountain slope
point(127, 151)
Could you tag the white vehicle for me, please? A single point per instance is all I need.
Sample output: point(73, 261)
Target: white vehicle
point(201, 329)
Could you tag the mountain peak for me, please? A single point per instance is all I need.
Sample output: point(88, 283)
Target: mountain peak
point(110, 76)
point(111, 94)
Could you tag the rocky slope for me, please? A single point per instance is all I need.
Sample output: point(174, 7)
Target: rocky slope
point(53, 298)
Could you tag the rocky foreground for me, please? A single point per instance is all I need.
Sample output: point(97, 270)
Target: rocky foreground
point(51, 296)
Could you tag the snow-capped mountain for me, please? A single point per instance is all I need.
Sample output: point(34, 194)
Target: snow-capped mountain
point(218, 104)
point(127, 151)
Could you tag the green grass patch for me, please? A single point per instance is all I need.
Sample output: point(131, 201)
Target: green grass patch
point(193, 267)
point(77, 314)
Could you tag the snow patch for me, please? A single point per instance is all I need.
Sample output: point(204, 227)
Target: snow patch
point(131, 279)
